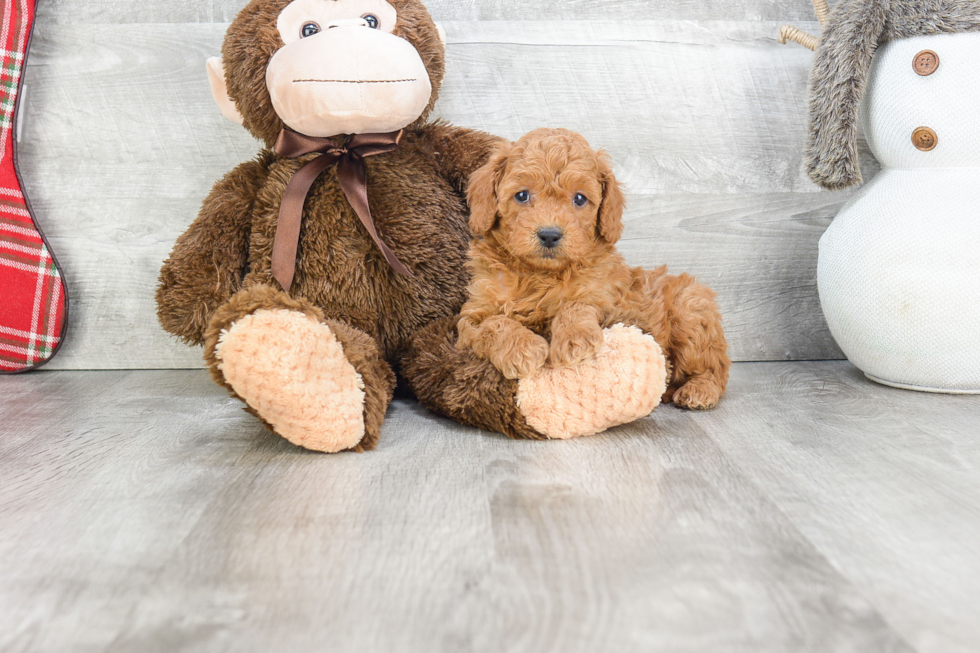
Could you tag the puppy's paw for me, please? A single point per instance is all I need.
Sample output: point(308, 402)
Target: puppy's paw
point(571, 347)
point(700, 393)
point(520, 354)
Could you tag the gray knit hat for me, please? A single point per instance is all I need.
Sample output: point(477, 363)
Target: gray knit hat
point(840, 72)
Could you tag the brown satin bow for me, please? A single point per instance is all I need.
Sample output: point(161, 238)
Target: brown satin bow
point(349, 159)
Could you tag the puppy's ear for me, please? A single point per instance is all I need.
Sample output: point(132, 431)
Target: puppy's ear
point(482, 193)
point(613, 202)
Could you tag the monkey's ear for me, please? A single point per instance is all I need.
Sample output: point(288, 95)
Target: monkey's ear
point(482, 193)
point(216, 78)
point(442, 34)
point(613, 202)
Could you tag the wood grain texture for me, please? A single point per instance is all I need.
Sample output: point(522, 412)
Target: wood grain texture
point(703, 118)
point(813, 511)
point(208, 11)
point(886, 483)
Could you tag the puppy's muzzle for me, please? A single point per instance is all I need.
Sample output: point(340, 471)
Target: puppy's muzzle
point(550, 237)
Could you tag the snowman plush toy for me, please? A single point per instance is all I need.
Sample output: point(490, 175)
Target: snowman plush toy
point(899, 268)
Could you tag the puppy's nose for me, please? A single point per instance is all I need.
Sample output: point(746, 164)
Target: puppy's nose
point(550, 237)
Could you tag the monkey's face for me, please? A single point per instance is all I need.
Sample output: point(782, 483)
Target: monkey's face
point(342, 70)
point(329, 67)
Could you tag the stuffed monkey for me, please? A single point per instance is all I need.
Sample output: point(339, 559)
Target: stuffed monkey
point(338, 254)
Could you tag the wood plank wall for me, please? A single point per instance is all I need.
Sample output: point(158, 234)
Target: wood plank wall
point(701, 109)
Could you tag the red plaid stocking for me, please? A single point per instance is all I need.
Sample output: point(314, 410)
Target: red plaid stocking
point(33, 304)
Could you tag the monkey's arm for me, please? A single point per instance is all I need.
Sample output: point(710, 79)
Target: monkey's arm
point(207, 265)
point(458, 151)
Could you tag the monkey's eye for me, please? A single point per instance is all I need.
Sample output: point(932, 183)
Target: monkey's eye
point(522, 197)
point(580, 200)
point(309, 29)
point(372, 21)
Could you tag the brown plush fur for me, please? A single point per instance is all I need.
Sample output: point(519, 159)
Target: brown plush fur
point(530, 305)
point(461, 385)
point(220, 269)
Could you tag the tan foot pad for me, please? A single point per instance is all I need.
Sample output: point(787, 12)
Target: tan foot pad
point(622, 384)
point(292, 371)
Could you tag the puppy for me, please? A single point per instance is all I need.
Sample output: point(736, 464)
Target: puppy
point(546, 277)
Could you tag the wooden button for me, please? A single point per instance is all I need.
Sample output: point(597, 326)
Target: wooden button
point(925, 139)
point(926, 63)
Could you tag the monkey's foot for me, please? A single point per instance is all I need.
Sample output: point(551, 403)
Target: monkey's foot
point(292, 371)
point(623, 383)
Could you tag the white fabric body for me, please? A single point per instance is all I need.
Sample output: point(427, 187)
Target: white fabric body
point(899, 268)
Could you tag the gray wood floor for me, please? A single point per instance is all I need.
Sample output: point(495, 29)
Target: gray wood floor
point(813, 511)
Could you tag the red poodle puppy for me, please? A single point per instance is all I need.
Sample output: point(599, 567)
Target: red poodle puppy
point(547, 278)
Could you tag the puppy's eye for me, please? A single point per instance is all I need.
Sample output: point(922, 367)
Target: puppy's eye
point(580, 200)
point(522, 197)
point(309, 29)
point(372, 21)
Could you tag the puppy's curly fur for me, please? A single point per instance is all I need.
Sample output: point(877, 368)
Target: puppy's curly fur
point(532, 305)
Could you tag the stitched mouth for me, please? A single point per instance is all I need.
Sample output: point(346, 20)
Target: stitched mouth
point(352, 81)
